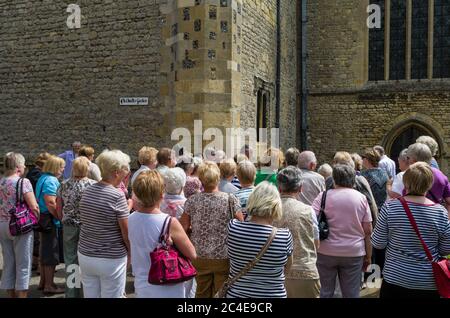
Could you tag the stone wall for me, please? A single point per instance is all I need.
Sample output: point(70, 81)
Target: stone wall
point(259, 61)
point(345, 111)
point(59, 85)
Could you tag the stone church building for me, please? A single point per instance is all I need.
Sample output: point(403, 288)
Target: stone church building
point(312, 68)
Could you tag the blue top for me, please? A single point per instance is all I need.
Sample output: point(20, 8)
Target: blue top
point(46, 185)
point(68, 157)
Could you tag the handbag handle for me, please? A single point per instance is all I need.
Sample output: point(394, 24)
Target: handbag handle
point(252, 263)
point(165, 230)
point(416, 229)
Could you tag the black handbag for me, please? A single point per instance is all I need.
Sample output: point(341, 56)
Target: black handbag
point(324, 230)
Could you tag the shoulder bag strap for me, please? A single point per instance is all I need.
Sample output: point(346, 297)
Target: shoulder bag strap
point(165, 230)
point(21, 190)
point(416, 229)
point(17, 192)
point(252, 264)
point(322, 204)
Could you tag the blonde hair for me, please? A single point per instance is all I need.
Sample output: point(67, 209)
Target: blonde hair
point(430, 142)
point(53, 165)
point(13, 161)
point(86, 151)
point(246, 172)
point(148, 188)
point(357, 160)
point(343, 158)
point(209, 175)
point(41, 159)
point(147, 155)
point(275, 154)
point(80, 167)
point(265, 202)
point(110, 161)
point(227, 168)
point(418, 179)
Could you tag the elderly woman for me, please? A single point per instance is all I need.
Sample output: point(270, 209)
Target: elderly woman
point(325, 171)
point(103, 246)
point(269, 164)
point(173, 202)
point(147, 160)
point(302, 281)
point(46, 192)
point(347, 250)
point(246, 173)
point(358, 163)
point(145, 226)
point(67, 205)
point(397, 187)
point(227, 174)
point(434, 148)
point(408, 272)
point(291, 156)
point(16, 251)
point(166, 160)
point(246, 239)
point(207, 215)
point(94, 171)
point(376, 176)
point(440, 190)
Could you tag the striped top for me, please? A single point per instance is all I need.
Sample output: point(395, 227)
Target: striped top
point(101, 207)
point(243, 196)
point(406, 262)
point(266, 279)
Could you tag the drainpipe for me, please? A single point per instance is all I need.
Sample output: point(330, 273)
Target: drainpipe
point(278, 71)
point(304, 99)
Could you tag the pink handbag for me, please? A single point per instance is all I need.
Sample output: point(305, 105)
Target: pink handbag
point(22, 219)
point(168, 265)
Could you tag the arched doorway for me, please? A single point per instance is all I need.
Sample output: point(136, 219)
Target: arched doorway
point(406, 136)
point(404, 140)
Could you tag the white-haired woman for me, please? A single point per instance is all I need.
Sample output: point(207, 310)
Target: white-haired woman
point(193, 183)
point(434, 148)
point(246, 239)
point(173, 202)
point(16, 251)
point(104, 246)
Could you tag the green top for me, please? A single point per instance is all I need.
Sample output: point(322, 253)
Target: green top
point(262, 176)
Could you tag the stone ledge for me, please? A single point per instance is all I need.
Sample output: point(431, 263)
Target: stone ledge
point(404, 86)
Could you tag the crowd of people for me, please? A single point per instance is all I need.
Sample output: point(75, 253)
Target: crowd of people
point(105, 220)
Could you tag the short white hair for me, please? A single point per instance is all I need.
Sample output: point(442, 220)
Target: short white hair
point(265, 202)
point(174, 180)
point(430, 142)
point(325, 170)
point(305, 159)
point(110, 161)
point(419, 152)
point(13, 161)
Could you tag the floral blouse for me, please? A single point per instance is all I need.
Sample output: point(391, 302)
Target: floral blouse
point(210, 214)
point(8, 194)
point(70, 193)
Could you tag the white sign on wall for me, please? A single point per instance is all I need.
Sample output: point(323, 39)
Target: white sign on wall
point(134, 101)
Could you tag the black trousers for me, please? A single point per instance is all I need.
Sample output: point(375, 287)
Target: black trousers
point(390, 291)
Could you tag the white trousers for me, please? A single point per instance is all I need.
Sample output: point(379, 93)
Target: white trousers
point(103, 278)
